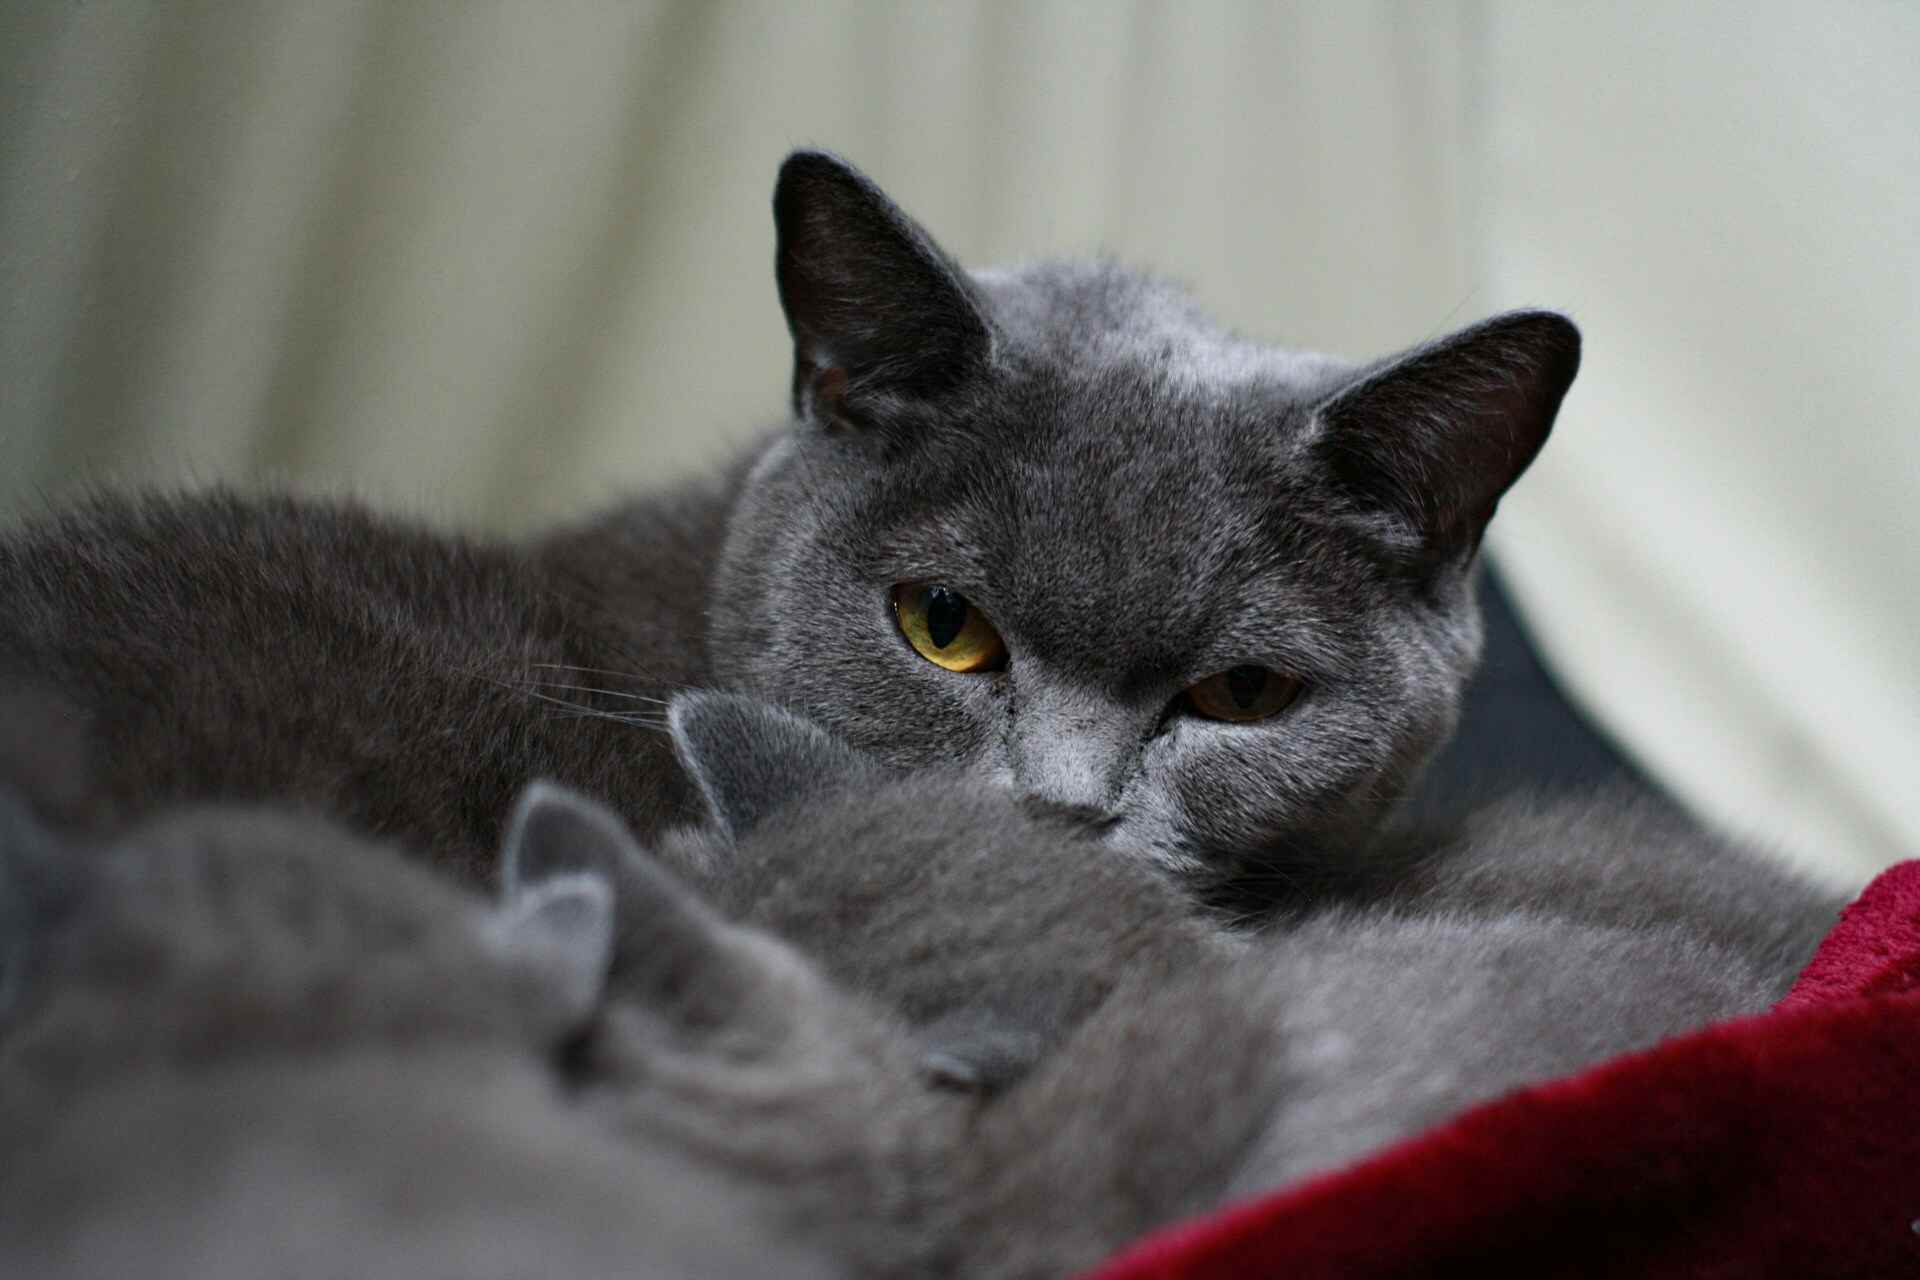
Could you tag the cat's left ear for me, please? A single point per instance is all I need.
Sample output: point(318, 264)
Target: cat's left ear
point(558, 864)
point(1434, 437)
point(878, 312)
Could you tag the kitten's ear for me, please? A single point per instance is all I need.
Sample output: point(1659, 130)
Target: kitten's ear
point(750, 758)
point(558, 866)
point(970, 1053)
point(875, 308)
point(555, 831)
point(582, 896)
point(1434, 437)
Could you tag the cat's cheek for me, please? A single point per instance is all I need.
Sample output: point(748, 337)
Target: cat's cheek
point(1153, 822)
point(913, 715)
point(1236, 788)
point(1156, 815)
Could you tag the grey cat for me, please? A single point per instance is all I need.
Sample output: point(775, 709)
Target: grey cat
point(1210, 598)
point(251, 1044)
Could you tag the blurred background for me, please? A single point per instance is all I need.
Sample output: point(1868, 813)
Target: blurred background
point(492, 264)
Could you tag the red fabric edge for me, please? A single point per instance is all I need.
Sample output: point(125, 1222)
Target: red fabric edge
point(1784, 1144)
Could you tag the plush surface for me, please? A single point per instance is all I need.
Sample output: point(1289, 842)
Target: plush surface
point(1786, 1144)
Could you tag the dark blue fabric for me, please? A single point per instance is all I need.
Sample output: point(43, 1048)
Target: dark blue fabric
point(1517, 729)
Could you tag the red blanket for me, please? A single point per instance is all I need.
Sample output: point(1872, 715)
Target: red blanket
point(1786, 1144)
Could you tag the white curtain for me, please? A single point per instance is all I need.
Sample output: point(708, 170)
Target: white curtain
point(496, 262)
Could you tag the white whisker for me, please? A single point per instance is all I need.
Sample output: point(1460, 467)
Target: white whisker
point(611, 693)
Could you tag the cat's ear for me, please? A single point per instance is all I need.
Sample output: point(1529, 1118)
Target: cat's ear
point(750, 758)
point(585, 899)
point(970, 1052)
point(1434, 437)
point(876, 310)
point(556, 831)
point(558, 867)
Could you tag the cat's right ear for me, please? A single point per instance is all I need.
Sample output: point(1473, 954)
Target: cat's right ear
point(750, 758)
point(1431, 439)
point(877, 311)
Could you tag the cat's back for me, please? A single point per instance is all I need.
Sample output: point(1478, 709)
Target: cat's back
point(220, 647)
point(1617, 857)
point(142, 572)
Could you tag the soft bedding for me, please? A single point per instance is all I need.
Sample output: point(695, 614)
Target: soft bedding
point(1786, 1144)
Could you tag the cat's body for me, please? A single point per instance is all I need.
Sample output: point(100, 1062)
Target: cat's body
point(1230, 585)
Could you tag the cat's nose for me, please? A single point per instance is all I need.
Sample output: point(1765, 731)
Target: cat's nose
point(1072, 750)
point(1064, 775)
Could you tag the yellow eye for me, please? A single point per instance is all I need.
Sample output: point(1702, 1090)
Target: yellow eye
point(1244, 693)
point(945, 629)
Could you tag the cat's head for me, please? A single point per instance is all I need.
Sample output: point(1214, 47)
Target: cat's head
point(1050, 522)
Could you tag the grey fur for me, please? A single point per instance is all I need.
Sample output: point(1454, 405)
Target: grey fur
point(1182, 1067)
point(259, 1046)
point(1137, 500)
point(991, 925)
point(1195, 1067)
point(1192, 1067)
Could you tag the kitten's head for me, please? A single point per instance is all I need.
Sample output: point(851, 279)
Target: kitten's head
point(993, 930)
point(216, 934)
point(1211, 597)
point(720, 1042)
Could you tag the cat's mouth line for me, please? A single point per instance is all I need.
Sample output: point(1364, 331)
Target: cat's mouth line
point(1098, 821)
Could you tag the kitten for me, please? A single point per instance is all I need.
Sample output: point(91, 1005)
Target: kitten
point(251, 1044)
point(1202, 1069)
point(1193, 1067)
point(992, 926)
point(1210, 598)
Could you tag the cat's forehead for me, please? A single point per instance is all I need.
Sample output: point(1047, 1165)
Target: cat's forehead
point(1084, 319)
point(1113, 498)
